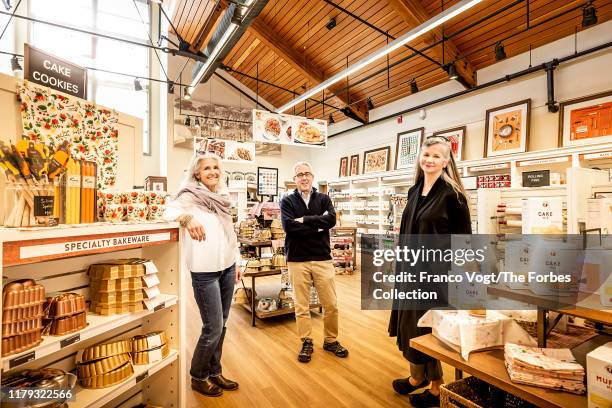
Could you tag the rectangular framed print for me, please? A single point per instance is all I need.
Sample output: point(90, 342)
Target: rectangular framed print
point(354, 166)
point(267, 181)
point(586, 120)
point(455, 136)
point(407, 148)
point(507, 129)
point(343, 171)
point(376, 160)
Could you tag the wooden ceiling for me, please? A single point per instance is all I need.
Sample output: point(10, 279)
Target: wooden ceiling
point(289, 46)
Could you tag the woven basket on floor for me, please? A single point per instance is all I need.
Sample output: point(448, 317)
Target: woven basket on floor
point(471, 392)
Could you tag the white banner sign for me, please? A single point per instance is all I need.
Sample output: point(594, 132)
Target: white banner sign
point(60, 248)
point(595, 156)
point(544, 161)
point(227, 150)
point(292, 130)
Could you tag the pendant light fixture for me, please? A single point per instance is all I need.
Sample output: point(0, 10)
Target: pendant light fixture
point(187, 121)
point(414, 87)
point(500, 52)
point(137, 85)
point(15, 65)
point(589, 15)
point(186, 94)
point(452, 71)
point(370, 103)
point(331, 120)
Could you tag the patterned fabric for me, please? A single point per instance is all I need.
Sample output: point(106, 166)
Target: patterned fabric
point(52, 118)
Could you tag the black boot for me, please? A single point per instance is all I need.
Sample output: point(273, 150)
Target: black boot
point(403, 385)
point(206, 387)
point(306, 352)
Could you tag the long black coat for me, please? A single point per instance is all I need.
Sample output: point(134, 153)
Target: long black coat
point(441, 212)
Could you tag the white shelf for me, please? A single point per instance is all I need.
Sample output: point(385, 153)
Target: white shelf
point(92, 398)
point(97, 325)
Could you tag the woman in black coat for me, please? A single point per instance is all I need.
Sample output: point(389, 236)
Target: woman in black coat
point(437, 205)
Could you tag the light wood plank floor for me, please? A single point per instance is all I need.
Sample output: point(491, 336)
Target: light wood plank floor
point(263, 359)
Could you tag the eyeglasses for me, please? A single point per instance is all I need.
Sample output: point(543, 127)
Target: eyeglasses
point(300, 175)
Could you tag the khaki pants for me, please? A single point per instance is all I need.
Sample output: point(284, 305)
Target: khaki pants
point(303, 275)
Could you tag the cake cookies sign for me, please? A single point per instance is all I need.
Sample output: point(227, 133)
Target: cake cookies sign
point(279, 128)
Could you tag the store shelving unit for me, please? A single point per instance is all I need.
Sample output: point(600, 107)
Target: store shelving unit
point(58, 259)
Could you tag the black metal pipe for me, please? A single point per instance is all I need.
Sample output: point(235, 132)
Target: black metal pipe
point(550, 86)
point(497, 81)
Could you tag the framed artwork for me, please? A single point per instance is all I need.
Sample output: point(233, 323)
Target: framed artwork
point(156, 183)
point(586, 120)
point(376, 160)
point(267, 181)
point(343, 170)
point(354, 168)
point(407, 148)
point(507, 129)
point(455, 136)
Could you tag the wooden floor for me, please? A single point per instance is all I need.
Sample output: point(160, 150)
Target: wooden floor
point(263, 359)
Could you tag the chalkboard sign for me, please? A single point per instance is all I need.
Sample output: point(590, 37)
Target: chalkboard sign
point(540, 178)
point(56, 73)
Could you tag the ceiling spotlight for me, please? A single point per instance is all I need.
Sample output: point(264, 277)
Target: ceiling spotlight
point(186, 94)
point(452, 71)
point(331, 120)
point(137, 85)
point(370, 104)
point(15, 65)
point(187, 121)
point(217, 125)
point(171, 87)
point(500, 52)
point(331, 24)
point(7, 4)
point(414, 87)
point(589, 15)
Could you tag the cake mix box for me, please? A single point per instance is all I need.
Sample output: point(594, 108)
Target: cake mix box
point(543, 215)
point(599, 376)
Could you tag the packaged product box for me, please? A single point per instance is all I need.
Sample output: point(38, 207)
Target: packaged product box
point(543, 215)
point(599, 376)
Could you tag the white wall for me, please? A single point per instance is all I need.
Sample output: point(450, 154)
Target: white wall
point(584, 76)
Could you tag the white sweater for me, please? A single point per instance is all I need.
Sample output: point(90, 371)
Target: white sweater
point(215, 253)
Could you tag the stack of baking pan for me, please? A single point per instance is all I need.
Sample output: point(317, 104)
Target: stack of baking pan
point(64, 313)
point(47, 388)
point(149, 348)
point(22, 312)
point(104, 365)
point(116, 286)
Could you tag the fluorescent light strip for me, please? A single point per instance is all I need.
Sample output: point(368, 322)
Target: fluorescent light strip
point(213, 56)
point(392, 46)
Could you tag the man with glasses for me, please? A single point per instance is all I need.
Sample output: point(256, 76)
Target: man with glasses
point(307, 217)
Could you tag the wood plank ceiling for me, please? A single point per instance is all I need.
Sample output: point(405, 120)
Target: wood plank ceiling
point(289, 46)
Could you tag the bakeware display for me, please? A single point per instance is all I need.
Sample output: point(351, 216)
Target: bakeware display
point(45, 380)
point(99, 367)
point(111, 378)
point(20, 342)
point(22, 311)
point(105, 350)
point(65, 325)
point(106, 309)
point(148, 341)
point(127, 296)
point(151, 356)
point(64, 305)
point(117, 269)
point(115, 285)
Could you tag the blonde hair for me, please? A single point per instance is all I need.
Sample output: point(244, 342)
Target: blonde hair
point(450, 173)
point(191, 174)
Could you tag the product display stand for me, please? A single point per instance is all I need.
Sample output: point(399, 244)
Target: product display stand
point(343, 234)
point(489, 367)
point(58, 258)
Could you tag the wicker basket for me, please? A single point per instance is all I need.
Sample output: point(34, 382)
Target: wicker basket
point(471, 392)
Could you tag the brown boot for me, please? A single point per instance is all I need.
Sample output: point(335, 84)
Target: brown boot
point(224, 383)
point(206, 387)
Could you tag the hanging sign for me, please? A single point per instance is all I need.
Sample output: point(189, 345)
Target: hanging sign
point(56, 73)
point(278, 128)
point(226, 150)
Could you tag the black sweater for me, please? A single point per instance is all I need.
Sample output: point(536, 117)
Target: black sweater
point(307, 241)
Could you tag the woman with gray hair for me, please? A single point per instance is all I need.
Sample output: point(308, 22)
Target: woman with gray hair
point(210, 247)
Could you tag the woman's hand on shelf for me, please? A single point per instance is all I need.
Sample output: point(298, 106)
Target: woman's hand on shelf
point(196, 230)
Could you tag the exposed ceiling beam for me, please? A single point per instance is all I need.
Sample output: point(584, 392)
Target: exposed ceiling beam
point(413, 13)
point(209, 25)
point(313, 73)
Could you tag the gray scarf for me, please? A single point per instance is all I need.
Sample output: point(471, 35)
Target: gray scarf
point(210, 202)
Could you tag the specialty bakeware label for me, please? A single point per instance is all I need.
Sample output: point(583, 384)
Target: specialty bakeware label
point(36, 251)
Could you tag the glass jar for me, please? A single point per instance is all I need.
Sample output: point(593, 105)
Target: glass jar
point(27, 204)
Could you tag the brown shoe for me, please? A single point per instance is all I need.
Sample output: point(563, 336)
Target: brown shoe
point(206, 387)
point(224, 383)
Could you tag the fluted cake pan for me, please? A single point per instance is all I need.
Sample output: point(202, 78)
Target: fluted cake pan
point(22, 313)
point(151, 356)
point(65, 325)
point(99, 367)
point(22, 293)
point(111, 378)
point(65, 304)
point(118, 269)
point(115, 285)
point(21, 327)
point(126, 296)
point(148, 341)
point(19, 343)
point(104, 350)
point(105, 309)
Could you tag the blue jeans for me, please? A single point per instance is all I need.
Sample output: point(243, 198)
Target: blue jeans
point(213, 293)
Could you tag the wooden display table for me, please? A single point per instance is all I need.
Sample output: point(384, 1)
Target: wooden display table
point(489, 367)
point(589, 307)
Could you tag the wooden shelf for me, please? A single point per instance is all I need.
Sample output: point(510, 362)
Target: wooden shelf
point(254, 242)
point(489, 367)
point(96, 325)
point(93, 398)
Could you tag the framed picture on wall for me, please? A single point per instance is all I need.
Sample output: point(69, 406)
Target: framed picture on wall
point(354, 167)
point(343, 171)
point(156, 183)
point(455, 136)
point(586, 120)
point(407, 148)
point(376, 160)
point(507, 129)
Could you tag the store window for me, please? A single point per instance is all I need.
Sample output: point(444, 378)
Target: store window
point(7, 42)
point(116, 18)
